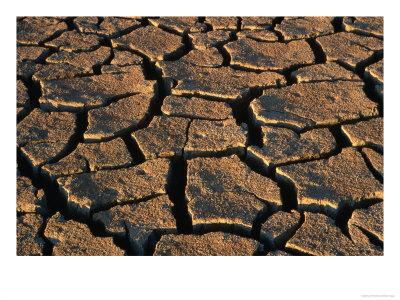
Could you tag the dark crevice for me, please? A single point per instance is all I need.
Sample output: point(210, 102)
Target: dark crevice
point(99, 21)
point(374, 172)
point(260, 219)
point(105, 41)
point(289, 78)
point(360, 67)
point(150, 246)
point(48, 245)
point(242, 114)
point(50, 38)
point(372, 237)
point(34, 91)
point(176, 186)
point(288, 191)
point(226, 57)
point(320, 56)
point(188, 46)
point(345, 212)
point(97, 69)
point(342, 218)
point(70, 23)
point(134, 149)
point(337, 24)
point(239, 24)
point(341, 139)
point(276, 21)
point(144, 21)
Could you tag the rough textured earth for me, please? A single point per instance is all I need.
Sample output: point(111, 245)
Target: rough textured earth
point(186, 136)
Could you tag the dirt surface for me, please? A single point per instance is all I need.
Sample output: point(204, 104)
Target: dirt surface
point(199, 136)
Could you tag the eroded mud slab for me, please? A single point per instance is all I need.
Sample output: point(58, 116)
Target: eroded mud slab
point(302, 28)
point(39, 154)
point(369, 219)
point(225, 191)
point(279, 227)
point(305, 105)
point(151, 41)
point(70, 64)
point(319, 236)
point(109, 26)
point(348, 48)
point(164, 137)
point(91, 157)
point(248, 53)
point(366, 133)
point(203, 58)
point(42, 127)
point(324, 72)
point(28, 240)
point(209, 244)
point(325, 185)
point(196, 108)
point(74, 41)
point(30, 53)
point(33, 30)
point(364, 25)
point(74, 238)
point(283, 145)
point(223, 83)
point(117, 118)
point(140, 220)
point(93, 91)
point(99, 190)
point(207, 138)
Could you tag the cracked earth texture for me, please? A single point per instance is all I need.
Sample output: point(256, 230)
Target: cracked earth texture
point(200, 136)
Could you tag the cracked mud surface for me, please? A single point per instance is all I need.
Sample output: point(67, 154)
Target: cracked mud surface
point(200, 136)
